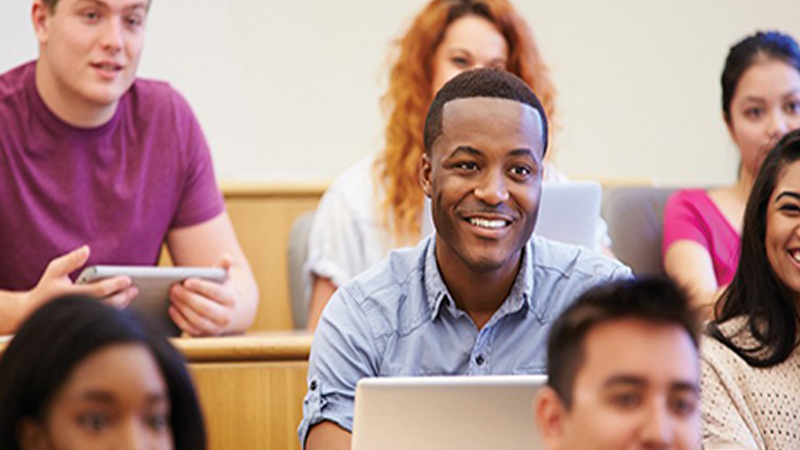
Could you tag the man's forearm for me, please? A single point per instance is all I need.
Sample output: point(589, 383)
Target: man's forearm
point(14, 309)
point(328, 436)
point(247, 301)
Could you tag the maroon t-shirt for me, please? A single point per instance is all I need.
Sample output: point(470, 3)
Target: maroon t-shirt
point(119, 187)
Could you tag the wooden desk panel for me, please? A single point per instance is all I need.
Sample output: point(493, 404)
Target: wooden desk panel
point(251, 388)
point(263, 215)
point(252, 405)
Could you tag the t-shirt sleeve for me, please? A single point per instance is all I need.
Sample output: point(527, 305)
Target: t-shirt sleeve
point(726, 418)
point(344, 351)
point(201, 199)
point(683, 220)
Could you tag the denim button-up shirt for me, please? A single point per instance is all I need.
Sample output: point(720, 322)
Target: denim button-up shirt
point(398, 319)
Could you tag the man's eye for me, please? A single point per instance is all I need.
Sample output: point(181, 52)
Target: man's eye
point(521, 170)
point(626, 400)
point(134, 20)
point(466, 165)
point(91, 15)
point(793, 107)
point(683, 405)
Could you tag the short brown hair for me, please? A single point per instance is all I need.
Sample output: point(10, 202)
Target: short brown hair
point(51, 4)
point(654, 300)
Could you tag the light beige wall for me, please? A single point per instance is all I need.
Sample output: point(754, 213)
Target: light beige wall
point(289, 89)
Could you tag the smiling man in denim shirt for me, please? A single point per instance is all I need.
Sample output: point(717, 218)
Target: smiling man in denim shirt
point(479, 295)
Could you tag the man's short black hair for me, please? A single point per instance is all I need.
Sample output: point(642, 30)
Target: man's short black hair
point(487, 83)
point(655, 300)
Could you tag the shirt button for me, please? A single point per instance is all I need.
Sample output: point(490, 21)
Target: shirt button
point(479, 360)
point(313, 385)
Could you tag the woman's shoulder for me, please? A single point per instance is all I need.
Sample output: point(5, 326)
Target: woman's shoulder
point(354, 189)
point(356, 178)
point(719, 356)
point(692, 205)
point(737, 330)
point(356, 184)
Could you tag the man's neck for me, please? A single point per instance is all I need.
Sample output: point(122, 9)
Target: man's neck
point(72, 109)
point(478, 293)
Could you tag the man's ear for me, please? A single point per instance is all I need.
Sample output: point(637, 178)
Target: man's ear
point(30, 435)
point(40, 15)
point(425, 168)
point(550, 415)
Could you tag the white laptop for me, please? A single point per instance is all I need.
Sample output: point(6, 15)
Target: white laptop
point(569, 212)
point(447, 413)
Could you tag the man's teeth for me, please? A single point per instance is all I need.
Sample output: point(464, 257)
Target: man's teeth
point(485, 223)
point(795, 254)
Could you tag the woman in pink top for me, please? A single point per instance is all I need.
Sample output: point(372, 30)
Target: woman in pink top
point(760, 103)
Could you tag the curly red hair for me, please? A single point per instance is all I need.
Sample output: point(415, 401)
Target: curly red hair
point(410, 93)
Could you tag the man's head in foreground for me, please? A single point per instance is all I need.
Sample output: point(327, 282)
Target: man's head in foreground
point(623, 371)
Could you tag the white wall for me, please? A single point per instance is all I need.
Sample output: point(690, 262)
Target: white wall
point(289, 89)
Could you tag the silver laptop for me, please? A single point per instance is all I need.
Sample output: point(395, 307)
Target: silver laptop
point(569, 212)
point(447, 413)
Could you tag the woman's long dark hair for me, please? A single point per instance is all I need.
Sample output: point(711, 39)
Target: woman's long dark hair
point(62, 333)
point(756, 292)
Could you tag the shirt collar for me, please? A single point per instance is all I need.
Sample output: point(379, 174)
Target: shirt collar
point(435, 289)
point(438, 296)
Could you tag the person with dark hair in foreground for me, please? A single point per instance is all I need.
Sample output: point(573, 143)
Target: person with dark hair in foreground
point(751, 362)
point(80, 374)
point(476, 297)
point(623, 371)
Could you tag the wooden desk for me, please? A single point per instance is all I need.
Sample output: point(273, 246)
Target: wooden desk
point(251, 387)
point(263, 215)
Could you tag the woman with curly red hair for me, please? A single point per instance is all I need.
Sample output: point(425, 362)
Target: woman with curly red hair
point(378, 204)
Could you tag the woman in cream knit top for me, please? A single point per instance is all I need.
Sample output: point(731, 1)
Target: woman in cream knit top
point(750, 386)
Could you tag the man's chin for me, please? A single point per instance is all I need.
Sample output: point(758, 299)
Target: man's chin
point(485, 264)
point(104, 95)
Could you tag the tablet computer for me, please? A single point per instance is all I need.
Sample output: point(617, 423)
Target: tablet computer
point(153, 283)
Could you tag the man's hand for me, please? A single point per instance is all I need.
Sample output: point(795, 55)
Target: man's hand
point(202, 307)
point(55, 282)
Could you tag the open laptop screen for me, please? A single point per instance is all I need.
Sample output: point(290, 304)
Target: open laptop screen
point(447, 412)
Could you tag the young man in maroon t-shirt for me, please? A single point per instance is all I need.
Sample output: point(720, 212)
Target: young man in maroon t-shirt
point(99, 167)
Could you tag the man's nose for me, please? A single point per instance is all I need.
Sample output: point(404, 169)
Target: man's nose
point(492, 188)
point(657, 431)
point(112, 35)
